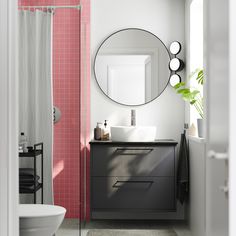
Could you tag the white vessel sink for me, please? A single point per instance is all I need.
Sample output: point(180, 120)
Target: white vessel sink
point(133, 133)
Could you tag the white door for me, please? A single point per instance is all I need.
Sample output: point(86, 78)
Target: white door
point(217, 117)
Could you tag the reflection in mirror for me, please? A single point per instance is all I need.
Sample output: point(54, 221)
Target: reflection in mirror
point(123, 72)
point(131, 67)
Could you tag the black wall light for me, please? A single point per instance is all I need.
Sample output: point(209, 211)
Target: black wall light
point(174, 79)
point(175, 64)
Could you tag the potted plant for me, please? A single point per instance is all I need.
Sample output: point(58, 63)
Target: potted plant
point(193, 96)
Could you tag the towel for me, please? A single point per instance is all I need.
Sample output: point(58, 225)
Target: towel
point(28, 181)
point(28, 188)
point(26, 172)
point(183, 171)
point(27, 178)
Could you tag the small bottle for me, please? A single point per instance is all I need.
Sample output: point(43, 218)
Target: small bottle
point(98, 132)
point(105, 132)
point(23, 142)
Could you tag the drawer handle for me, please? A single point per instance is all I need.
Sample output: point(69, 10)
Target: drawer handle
point(148, 150)
point(119, 184)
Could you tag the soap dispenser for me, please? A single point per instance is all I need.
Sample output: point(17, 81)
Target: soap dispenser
point(98, 131)
point(105, 132)
point(22, 142)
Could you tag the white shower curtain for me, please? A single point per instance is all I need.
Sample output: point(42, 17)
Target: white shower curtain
point(35, 95)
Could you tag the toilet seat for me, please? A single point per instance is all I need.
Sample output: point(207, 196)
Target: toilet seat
point(39, 210)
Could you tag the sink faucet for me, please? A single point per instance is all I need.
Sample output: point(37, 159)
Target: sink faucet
point(133, 117)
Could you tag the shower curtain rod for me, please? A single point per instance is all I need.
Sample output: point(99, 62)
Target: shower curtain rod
point(51, 7)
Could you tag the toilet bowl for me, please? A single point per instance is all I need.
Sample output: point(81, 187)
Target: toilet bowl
point(38, 219)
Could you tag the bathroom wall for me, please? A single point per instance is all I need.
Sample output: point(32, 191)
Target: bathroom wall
point(197, 203)
point(66, 74)
point(196, 207)
point(165, 18)
point(67, 96)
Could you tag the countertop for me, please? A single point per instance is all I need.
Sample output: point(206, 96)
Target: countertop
point(158, 142)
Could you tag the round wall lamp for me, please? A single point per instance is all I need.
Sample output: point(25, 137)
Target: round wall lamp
point(175, 79)
point(176, 64)
point(175, 47)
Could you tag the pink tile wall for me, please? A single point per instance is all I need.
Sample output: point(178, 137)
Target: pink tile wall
point(66, 85)
point(67, 96)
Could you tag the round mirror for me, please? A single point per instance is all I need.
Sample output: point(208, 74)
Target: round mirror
point(132, 67)
point(175, 47)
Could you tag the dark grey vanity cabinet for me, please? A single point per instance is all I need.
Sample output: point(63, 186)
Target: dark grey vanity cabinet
point(132, 180)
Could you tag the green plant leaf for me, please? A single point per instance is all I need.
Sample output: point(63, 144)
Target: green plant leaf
point(181, 84)
point(200, 73)
point(200, 77)
point(194, 73)
point(190, 94)
point(195, 92)
point(187, 97)
point(183, 91)
point(192, 102)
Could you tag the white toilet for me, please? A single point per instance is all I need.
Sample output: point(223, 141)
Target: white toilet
point(40, 220)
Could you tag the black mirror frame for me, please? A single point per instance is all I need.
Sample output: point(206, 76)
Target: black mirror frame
point(95, 57)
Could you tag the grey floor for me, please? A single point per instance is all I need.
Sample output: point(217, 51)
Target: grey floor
point(70, 227)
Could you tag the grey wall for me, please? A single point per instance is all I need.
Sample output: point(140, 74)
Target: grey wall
point(165, 18)
point(197, 201)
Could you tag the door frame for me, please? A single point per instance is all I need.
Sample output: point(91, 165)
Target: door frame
point(9, 220)
point(232, 118)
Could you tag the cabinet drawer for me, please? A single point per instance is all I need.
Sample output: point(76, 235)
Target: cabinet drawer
point(133, 161)
point(149, 193)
